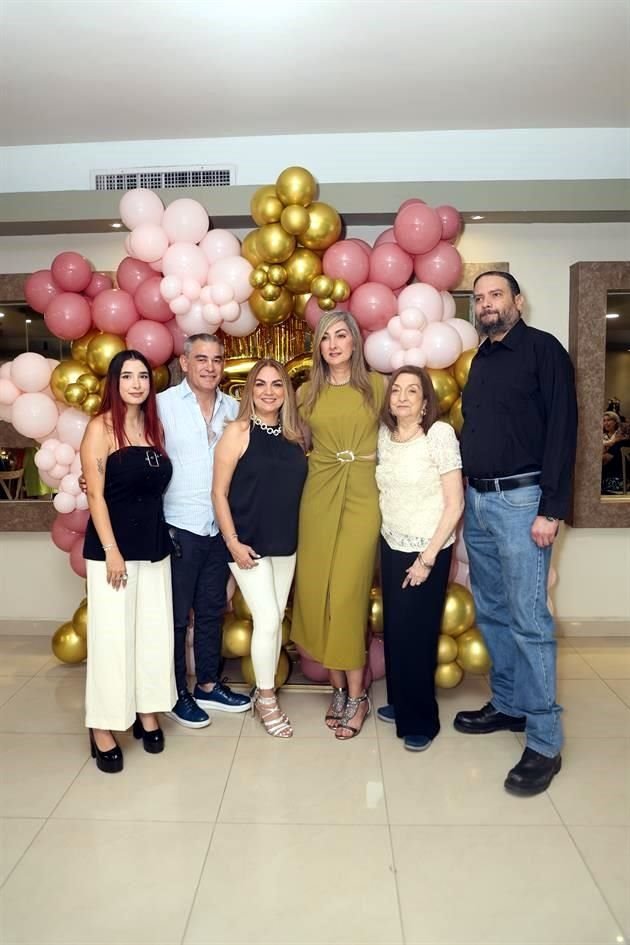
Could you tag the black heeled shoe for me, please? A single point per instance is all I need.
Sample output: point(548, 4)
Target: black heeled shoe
point(111, 762)
point(153, 742)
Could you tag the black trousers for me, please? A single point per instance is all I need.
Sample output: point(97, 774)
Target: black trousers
point(199, 579)
point(411, 621)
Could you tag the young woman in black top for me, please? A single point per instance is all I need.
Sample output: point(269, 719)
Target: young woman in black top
point(127, 550)
point(259, 473)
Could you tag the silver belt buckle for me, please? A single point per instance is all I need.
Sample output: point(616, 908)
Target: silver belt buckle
point(345, 456)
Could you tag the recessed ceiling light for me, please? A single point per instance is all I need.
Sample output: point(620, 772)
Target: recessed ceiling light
point(1, 314)
point(116, 226)
point(477, 216)
point(28, 321)
point(612, 315)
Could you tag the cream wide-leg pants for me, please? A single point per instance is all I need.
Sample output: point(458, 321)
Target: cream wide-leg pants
point(130, 645)
point(266, 591)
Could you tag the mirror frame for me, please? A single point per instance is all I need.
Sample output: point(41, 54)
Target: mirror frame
point(590, 283)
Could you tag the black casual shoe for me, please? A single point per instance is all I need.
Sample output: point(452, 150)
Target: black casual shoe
point(152, 741)
point(533, 774)
point(486, 720)
point(386, 713)
point(111, 761)
point(222, 698)
point(187, 712)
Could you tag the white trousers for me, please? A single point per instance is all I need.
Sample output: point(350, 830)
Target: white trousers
point(130, 664)
point(266, 591)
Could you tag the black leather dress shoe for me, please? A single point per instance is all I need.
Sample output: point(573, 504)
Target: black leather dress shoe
point(486, 720)
point(153, 742)
point(533, 774)
point(111, 761)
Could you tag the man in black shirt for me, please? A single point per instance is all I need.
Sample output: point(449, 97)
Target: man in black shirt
point(518, 450)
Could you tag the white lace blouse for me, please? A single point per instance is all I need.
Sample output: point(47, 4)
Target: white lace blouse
point(410, 490)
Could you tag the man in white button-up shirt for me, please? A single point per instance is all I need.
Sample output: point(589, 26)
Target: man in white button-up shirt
point(194, 414)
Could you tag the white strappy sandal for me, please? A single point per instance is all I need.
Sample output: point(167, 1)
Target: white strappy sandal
point(272, 717)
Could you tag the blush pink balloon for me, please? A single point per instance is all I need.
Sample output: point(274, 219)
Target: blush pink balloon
point(170, 287)
point(205, 295)
point(466, 331)
point(113, 310)
point(150, 303)
point(75, 521)
point(410, 202)
point(151, 339)
point(390, 265)
point(185, 221)
point(441, 267)
point(131, 273)
point(44, 460)
point(9, 392)
point(193, 322)
point(372, 305)
point(378, 350)
point(71, 426)
point(77, 561)
point(448, 305)
point(68, 316)
point(395, 327)
point(417, 228)
point(64, 538)
point(387, 236)
point(424, 297)
point(178, 337)
point(230, 311)
point(413, 318)
point(191, 289)
point(313, 670)
point(451, 221)
point(70, 484)
point(245, 324)
point(39, 289)
point(64, 454)
point(64, 502)
point(148, 242)
point(58, 472)
point(156, 266)
point(346, 260)
point(211, 313)
point(81, 501)
point(399, 359)
point(75, 465)
point(235, 271)
point(51, 444)
point(5, 370)
point(186, 261)
point(98, 283)
point(441, 344)
point(140, 206)
point(376, 657)
point(411, 338)
point(220, 244)
point(312, 313)
point(365, 246)
point(30, 372)
point(71, 272)
point(180, 305)
point(34, 415)
point(415, 356)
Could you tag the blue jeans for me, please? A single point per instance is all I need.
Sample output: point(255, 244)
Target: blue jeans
point(508, 574)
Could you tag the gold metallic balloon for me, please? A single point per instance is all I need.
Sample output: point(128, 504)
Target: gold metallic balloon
point(67, 645)
point(327, 305)
point(258, 278)
point(296, 185)
point(102, 349)
point(249, 248)
point(375, 610)
point(277, 274)
point(240, 608)
point(90, 382)
point(286, 630)
point(282, 672)
point(445, 387)
point(299, 303)
point(448, 675)
point(459, 610)
point(265, 206)
point(447, 649)
point(91, 404)
point(79, 620)
point(161, 378)
point(455, 416)
point(301, 268)
point(340, 291)
point(237, 638)
point(79, 346)
point(322, 286)
point(271, 292)
point(271, 313)
point(324, 227)
point(235, 371)
point(472, 653)
point(75, 394)
point(66, 372)
point(274, 243)
point(299, 368)
point(461, 368)
point(295, 219)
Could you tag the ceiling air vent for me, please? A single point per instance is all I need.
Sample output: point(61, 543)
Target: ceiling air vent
point(163, 178)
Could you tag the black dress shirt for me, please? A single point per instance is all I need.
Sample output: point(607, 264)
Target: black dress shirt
point(520, 414)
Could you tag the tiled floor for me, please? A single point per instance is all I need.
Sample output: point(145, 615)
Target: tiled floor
point(231, 836)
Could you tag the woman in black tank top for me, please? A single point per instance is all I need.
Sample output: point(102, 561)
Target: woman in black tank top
point(259, 474)
point(127, 548)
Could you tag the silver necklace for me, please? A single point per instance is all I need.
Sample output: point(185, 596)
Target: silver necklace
point(272, 431)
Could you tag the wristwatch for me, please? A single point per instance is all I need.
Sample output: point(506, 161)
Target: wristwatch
point(551, 518)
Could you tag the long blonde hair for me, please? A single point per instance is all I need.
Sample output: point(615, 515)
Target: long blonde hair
point(289, 418)
point(320, 372)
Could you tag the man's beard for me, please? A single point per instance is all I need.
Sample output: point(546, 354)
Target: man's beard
point(501, 325)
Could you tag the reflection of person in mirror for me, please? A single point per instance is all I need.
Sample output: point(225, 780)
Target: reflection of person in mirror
point(614, 439)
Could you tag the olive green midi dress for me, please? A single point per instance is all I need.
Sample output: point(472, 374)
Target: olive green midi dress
point(339, 528)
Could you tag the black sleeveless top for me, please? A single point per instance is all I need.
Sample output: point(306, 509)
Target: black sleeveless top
point(265, 493)
point(135, 478)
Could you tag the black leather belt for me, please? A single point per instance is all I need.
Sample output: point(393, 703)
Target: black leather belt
point(505, 484)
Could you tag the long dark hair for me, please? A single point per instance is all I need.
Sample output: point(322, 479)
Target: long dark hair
point(430, 400)
point(114, 405)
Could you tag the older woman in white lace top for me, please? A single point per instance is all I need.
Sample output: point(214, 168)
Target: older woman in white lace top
point(421, 499)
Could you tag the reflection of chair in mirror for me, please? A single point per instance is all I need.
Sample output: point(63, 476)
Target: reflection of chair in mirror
point(12, 484)
point(625, 468)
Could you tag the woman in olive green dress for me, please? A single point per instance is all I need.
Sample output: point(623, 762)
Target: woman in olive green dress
point(339, 516)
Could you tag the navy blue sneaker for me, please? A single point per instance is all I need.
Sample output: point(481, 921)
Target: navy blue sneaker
point(417, 742)
point(187, 712)
point(386, 713)
point(222, 699)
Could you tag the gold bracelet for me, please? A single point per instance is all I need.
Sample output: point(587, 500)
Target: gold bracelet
point(426, 566)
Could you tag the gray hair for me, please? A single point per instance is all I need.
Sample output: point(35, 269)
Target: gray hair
point(202, 336)
point(612, 416)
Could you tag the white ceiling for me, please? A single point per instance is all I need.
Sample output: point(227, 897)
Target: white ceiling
point(145, 69)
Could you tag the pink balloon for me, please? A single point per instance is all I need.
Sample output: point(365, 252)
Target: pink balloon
point(50, 444)
point(466, 331)
point(245, 324)
point(399, 359)
point(441, 267)
point(5, 370)
point(220, 244)
point(39, 289)
point(81, 501)
point(451, 221)
point(312, 313)
point(180, 305)
point(212, 313)
point(185, 260)
point(441, 344)
point(127, 244)
point(191, 289)
point(346, 260)
point(64, 538)
point(114, 311)
point(156, 266)
point(390, 265)
point(372, 305)
point(150, 303)
point(413, 318)
point(313, 670)
point(170, 287)
point(230, 311)
point(448, 304)
point(151, 339)
point(131, 273)
point(376, 657)
point(177, 335)
point(415, 356)
point(148, 242)
point(395, 327)
point(70, 484)
point(77, 561)
point(9, 392)
point(71, 272)
point(221, 293)
point(64, 454)
point(235, 271)
point(185, 221)
point(98, 283)
point(47, 479)
point(44, 460)
point(410, 202)
point(424, 297)
point(68, 316)
point(387, 236)
point(71, 426)
point(417, 228)
point(362, 243)
point(65, 503)
point(411, 338)
point(378, 350)
point(58, 472)
point(140, 206)
point(75, 465)
point(30, 372)
point(34, 415)
point(75, 521)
